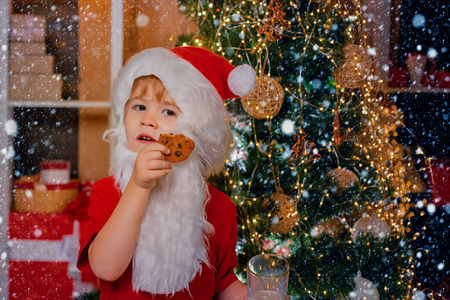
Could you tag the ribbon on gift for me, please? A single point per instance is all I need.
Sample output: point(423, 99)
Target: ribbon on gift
point(79, 207)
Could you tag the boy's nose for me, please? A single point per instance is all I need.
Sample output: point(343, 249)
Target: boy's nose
point(149, 120)
point(148, 123)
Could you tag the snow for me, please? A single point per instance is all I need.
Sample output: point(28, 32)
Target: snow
point(431, 208)
point(419, 295)
point(305, 194)
point(288, 127)
point(418, 21)
point(372, 51)
point(432, 53)
point(29, 194)
point(8, 152)
point(11, 127)
point(142, 20)
point(37, 232)
point(316, 84)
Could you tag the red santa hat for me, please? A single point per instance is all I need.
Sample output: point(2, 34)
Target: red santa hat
point(178, 70)
point(229, 81)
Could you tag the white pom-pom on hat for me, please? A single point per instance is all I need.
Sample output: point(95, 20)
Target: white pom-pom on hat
point(242, 80)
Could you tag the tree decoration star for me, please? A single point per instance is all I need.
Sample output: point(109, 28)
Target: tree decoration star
point(302, 146)
point(275, 22)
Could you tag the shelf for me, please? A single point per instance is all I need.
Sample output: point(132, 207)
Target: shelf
point(419, 90)
point(61, 104)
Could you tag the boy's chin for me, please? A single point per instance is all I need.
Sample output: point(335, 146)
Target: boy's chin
point(136, 146)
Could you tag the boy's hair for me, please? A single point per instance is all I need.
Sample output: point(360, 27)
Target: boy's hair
point(143, 83)
point(141, 86)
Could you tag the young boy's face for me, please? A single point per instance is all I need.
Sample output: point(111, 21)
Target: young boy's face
point(147, 117)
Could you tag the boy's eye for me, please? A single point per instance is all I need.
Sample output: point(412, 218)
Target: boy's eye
point(139, 107)
point(170, 112)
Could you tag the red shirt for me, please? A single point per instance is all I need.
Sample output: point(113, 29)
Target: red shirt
point(220, 212)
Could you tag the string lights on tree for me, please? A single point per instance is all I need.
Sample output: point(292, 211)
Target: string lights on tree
point(315, 148)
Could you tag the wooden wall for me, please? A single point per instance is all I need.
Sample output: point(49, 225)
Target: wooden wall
point(147, 23)
point(153, 23)
point(95, 85)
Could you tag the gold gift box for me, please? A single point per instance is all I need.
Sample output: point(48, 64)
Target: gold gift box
point(36, 197)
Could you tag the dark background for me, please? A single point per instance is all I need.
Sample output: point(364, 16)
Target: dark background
point(427, 125)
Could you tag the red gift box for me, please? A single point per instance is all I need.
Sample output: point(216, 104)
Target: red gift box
point(398, 77)
point(39, 280)
point(43, 250)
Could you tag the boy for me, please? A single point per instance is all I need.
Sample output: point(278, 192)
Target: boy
point(157, 229)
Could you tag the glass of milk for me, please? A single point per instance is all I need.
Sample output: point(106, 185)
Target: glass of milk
point(267, 277)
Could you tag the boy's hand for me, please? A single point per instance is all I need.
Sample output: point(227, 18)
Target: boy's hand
point(150, 165)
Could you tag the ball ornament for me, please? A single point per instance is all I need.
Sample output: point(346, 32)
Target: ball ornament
point(284, 214)
point(265, 99)
point(355, 68)
point(343, 179)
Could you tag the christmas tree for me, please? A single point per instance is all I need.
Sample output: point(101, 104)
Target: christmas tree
point(316, 173)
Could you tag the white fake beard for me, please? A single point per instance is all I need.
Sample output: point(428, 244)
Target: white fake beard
point(171, 243)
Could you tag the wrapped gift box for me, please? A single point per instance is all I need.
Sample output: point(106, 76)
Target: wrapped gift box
point(39, 263)
point(27, 28)
point(27, 35)
point(44, 198)
point(37, 64)
point(55, 171)
point(35, 87)
point(43, 250)
point(27, 21)
point(438, 176)
point(54, 285)
point(17, 48)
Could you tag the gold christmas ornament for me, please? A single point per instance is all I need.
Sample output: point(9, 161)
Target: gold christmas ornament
point(343, 178)
point(266, 98)
point(284, 215)
point(332, 227)
point(373, 225)
point(356, 67)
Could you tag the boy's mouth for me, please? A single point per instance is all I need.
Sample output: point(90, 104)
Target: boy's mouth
point(145, 138)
